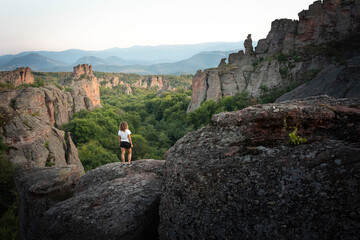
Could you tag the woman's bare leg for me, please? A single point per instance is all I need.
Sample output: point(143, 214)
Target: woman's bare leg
point(123, 155)
point(129, 155)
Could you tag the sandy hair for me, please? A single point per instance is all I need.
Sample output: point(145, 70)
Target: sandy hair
point(123, 126)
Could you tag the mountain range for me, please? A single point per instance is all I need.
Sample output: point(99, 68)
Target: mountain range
point(163, 59)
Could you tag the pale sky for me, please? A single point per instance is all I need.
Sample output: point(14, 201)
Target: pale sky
point(56, 25)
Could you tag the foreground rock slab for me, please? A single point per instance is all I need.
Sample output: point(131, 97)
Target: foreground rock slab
point(39, 189)
point(110, 202)
point(239, 178)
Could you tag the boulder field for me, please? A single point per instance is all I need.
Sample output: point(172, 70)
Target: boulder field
point(237, 178)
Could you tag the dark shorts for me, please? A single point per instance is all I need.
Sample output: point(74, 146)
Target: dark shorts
point(126, 145)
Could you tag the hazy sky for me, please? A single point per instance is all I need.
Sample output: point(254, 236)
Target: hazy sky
point(57, 25)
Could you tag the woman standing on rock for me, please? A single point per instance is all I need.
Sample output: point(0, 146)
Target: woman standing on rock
point(125, 141)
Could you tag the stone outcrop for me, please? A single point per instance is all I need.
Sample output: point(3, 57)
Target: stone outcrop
point(35, 142)
point(222, 63)
point(323, 22)
point(147, 82)
point(110, 202)
point(72, 156)
point(248, 45)
point(153, 82)
point(82, 71)
point(39, 189)
point(85, 88)
point(335, 81)
point(17, 77)
point(235, 58)
point(239, 176)
point(292, 50)
point(31, 118)
point(111, 82)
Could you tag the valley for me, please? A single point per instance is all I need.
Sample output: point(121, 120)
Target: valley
point(259, 141)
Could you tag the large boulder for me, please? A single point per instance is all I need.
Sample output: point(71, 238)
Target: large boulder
point(39, 189)
point(110, 202)
point(239, 177)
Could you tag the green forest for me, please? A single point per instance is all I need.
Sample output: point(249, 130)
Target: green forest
point(156, 121)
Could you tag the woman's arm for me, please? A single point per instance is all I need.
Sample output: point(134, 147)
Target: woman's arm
point(130, 140)
point(119, 140)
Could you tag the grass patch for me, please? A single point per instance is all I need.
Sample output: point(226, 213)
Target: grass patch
point(284, 71)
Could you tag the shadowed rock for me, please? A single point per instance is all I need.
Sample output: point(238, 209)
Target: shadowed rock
point(39, 189)
point(335, 81)
point(110, 202)
point(248, 45)
point(240, 177)
point(222, 63)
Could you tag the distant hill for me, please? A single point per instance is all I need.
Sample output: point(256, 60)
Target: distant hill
point(164, 59)
point(136, 54)
point(34, 61)
point(167, 53)
point(188, 66)
point(92, 61)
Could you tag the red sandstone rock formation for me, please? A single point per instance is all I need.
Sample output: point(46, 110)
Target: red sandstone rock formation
point(85, 88)
point(321, 23)
point(154, 81)
point(17, 77)
point(31, 118)
point(302, 43)
point(82, 70)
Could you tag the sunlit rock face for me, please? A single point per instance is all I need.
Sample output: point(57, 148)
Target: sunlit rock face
point(294, 51)
point(31, 118)
point(17, 77)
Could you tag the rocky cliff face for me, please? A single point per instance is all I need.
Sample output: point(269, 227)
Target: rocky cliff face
point(85, 88)
point(17, 77)
point(31, 118)
point(336, 81)
point(239, 176)
point(291, 52)
point(30, 121)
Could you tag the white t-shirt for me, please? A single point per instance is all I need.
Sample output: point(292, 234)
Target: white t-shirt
point(124, 135)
